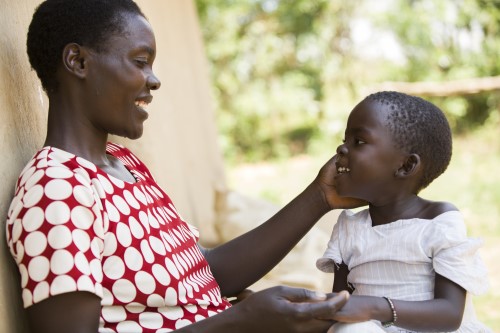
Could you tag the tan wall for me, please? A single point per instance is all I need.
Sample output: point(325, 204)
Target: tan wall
point(179, 143)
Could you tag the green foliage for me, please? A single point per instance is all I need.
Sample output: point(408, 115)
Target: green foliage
point(286, 73)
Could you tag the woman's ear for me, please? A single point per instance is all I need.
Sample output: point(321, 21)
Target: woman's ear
point(75, 60)
point(410, 166)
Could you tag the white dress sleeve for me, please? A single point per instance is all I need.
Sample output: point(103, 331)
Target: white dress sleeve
point(332, 255)
point(455, 256)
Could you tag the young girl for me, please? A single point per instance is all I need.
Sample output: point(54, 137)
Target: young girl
point(407, 261)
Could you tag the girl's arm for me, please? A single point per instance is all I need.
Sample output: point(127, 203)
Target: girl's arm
point(443, 313)
point(340, 278)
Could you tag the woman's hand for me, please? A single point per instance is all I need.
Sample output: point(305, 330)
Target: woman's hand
point(286, 309)
point(326, 182)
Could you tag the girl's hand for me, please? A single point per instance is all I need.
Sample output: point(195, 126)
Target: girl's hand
point(326, 181)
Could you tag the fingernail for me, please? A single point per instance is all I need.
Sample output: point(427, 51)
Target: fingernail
point(319, 295)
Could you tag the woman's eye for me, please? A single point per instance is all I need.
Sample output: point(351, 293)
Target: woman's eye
point(141, 62)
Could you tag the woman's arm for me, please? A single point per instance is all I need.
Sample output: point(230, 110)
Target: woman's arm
point(279, 309)
point(242, 261)
point(441, 314)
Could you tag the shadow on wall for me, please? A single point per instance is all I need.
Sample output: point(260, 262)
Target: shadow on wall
point(22, 127)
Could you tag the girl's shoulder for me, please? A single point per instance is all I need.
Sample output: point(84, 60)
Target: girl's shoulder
point(433, 209)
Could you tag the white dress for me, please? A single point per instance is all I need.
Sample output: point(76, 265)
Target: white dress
point(399, 260)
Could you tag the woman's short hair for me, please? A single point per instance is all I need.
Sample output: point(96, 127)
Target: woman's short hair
point(57, 23)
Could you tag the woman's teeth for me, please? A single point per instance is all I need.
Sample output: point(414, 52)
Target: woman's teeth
point(141, 104)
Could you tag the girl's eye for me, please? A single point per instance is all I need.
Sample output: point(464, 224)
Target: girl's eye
point(359, 142)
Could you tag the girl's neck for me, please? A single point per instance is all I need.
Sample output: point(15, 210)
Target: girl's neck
point(409, 207)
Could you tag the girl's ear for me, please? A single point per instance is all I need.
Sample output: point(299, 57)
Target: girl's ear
point(410, 166)
point(75, 60)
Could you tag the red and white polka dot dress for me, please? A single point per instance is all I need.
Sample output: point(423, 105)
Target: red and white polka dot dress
point(72, 227)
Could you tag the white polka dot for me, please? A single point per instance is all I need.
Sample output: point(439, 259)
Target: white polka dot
point(130, 199)
point(133, 259)
point(62, 284)
point(96, 270)
point(175, 258)
point(33, 196)
point(145, 282)
point(100, 226)
point(123, 234)
point(58, 189)
point(41, 292)
point(172, 312)
point(82, 176)
point(86, 164)
point(164, 235)
point(139, 195)
point(124, 291)
point(81, 239)
point(19, 252)
point(58, 173)
point(150, 320)
point(59, 237)
point(129, 326)
point(83, 195)
point(26, 174)
point(108, 297)
point(60, 155)
point(191, 308)
point(35, 243)
point(57, 212)
point(152, 221)
point(61, 262)
point(172, 269)
point(33, 219)
point(121, 205)
point(143, 217)
point(82, 264)
point(82, 217)
point(110, 245)
point(106, 185)
point(97, 247)
point(98, 188)
point(17, 230)
point(146, 252)
point(135, 228)
point(114, 268)
point(27, 297)
point(113, 213)
point(181, 292)
point(24, 275)
point(114, 314)
point(157, 191)
point(85, 283)
point(135, 307)
point(157, 245)
point(155, 301)
point(118, 182)
point(42, 164)
point(34, 179)
point(161, 274)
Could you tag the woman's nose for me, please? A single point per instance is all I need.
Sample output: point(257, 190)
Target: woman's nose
point(153, 82)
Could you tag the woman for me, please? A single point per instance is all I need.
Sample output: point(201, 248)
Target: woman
point(99, 245)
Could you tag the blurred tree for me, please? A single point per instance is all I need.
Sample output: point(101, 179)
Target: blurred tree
point(287, 72)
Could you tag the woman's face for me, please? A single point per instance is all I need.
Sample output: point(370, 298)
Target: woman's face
point(120, 80)
point(368, 158)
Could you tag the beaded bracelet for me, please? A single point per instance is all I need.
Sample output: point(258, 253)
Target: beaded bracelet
point(394, 314)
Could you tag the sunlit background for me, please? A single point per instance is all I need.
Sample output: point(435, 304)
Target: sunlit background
point(287, 73)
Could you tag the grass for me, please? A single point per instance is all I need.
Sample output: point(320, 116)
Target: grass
point(472, 183)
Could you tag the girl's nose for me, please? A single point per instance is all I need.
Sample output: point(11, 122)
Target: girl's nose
point(342, 149)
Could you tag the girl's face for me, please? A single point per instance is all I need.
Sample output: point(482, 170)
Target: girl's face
point(368, 158)
point(121, 78)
